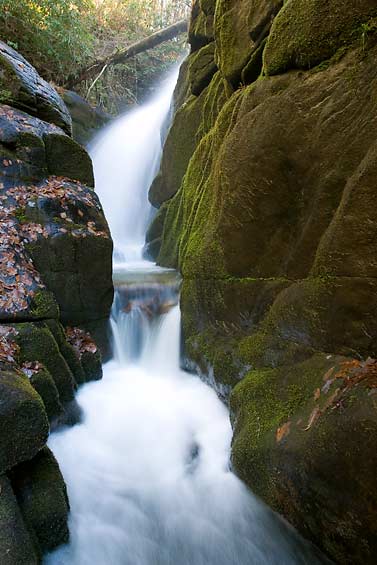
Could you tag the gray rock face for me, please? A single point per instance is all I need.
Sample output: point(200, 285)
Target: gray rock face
point(22, 87)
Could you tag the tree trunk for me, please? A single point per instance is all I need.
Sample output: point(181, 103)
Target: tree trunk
point(120, 56)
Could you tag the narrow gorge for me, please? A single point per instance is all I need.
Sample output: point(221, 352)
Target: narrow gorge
point(188, 370)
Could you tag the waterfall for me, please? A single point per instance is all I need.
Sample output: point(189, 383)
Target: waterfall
point(126, 157)
point(147, 469)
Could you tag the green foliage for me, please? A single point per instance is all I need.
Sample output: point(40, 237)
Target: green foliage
point(60, 37)
point(54, 35)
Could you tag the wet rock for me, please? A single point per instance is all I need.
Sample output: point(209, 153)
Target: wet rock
point(37, 343)
point(44, 384)
point(86, 120)
point(67, 350)
point(42, 497)
point(22, 87)
point(324, 407)
point(23, 421)
point(86, 352)
point(16, 547)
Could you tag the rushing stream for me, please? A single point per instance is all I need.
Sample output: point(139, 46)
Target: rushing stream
point(147, 469)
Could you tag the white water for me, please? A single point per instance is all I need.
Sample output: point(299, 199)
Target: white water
point(126, 158)
point(147, 470)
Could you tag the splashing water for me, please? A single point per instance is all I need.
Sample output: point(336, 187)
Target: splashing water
point(147, 470)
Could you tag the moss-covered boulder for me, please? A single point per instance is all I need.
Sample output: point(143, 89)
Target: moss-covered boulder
point(307, 433)
point(77, 232)
point(43, 500)
point(87, 353)
point(202, 67)
point(153, 237)
point(179, 147)
point(16, 547)
point(67, 350)
point(66, 158)
point(306, 33)
point(23, 419)
point(240, 28)
point(22, 87)
point(37, 343)
point(192, 121)
point(42, 381)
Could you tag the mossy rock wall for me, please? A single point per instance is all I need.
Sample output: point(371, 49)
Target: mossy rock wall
point(273, 229)
point(306, 33)
point(55, 267)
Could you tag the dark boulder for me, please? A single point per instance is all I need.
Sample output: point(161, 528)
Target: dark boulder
point(16, 547)
point(43, 500)
point(23, 420)
point(23, 88)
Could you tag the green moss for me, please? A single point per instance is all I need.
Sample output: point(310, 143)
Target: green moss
point(304, 34)
point(23, 421)
point(261, 403)
point(16, 546)
point(44, 305)
point(44, 384)
point(67, 350)
point(38, 344)
point(42, 496)
point(20, 215)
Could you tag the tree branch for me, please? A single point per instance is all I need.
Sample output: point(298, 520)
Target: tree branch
point(120, 56)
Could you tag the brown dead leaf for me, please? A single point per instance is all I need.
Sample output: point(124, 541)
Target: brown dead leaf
point(283, 431)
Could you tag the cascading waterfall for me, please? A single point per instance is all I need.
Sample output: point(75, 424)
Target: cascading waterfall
point(126, 158)
point(147, 469)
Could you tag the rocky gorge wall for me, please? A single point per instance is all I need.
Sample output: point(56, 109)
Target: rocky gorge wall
point(55, 287)
point(266, 203)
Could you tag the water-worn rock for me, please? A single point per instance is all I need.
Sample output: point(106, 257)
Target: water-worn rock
point(43, 500)
point(16, 547)
point(22, 87)
point(202, 68)
point(44, 384)
point(182, 141)
point(240, 28)
point(86, 120)
point(23, 420)
point(273, 229)
point(37, 343)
